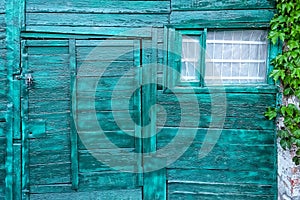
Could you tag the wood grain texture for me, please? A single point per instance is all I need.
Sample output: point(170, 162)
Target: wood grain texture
point(215, 17)
point(111, 20)
point(88, 6)
point(221, 5)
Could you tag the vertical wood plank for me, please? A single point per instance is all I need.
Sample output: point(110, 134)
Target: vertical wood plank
point(25, 131)
point(137, 107)
point(73, 132)
point(203, 57)
point(154, 181)
point(155, 186)
point(165, 57)
point(14, 20)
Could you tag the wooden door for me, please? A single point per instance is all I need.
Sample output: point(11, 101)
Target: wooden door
point(73, 92)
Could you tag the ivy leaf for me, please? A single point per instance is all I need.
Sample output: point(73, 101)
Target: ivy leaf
point(287, 91)
point(285, 143)
point(277, 73)
point(297, 135)
point(296, 160)
point(292, 44)
point(297, 93)
point(271, 113)
point(298, 152)
point(283, 134)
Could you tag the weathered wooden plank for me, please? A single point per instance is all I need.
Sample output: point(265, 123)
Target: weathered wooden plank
point(88, 6)
point(105, 83)
point(83, 104)
point(215, 187)
point(155, 186)
point(231, 98)
point(88, 122)
point(50, 70)
point(53, 142)
point(106, 68)
point(232, 136)
point(94, 140)
point(86, 32)
point(47, 43)
point(49, 106)
point(221, 5)
point(41, 94)
point(56, 173)
point(40, 157)
point(61, 192)
point(55, 122)
point(213, 196)
point(47, 50)
point(105, 53)
point(73, 132)
point(230, 110)
point(111, 20)
point(45, 59)
point(91, 162)
point(200, 17)
point(222, 176)
point(99, 180)
point(58, 82)
point(205, 121)
point(227, 157)
point(2, 6)
point(107, 42)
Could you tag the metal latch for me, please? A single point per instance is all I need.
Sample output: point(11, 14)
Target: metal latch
point(28, 79)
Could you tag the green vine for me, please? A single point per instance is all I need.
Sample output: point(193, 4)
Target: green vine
point(285, 27)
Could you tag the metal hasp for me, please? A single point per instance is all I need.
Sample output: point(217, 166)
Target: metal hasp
point(28, 79)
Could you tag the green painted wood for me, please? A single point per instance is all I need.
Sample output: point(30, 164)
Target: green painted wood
point(88, 163)
point(56, 173)
point(25, 128)
point(63, 194)
point(189, 5)
point(86, 6)
point(154, 181)
point(212, 196)
point(111, 20)
point(120, 138)
point(85, 32)
point(137, 105)
point(178, 187)
point(37, 129)
point(98, 181)
point(200, 17)
point(231, 98)
point(221, 176)
point(13, 18)
point(73, 137)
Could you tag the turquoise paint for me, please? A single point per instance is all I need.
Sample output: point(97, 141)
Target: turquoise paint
point(59, 36)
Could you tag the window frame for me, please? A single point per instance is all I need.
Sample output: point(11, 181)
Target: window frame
point(172, 33)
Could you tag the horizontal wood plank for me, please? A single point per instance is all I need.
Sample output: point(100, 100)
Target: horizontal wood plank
point(222, 176)
point(109, 20)
point(62, 192)
point(221, 5)
point(99, 180)
point(87, 6)
point(95, 140)
point(56, 173)
point(200, 188)
point(199, 17)
point(84, 32)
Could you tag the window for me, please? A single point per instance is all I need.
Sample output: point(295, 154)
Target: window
point(216, 57)
point(236, 56)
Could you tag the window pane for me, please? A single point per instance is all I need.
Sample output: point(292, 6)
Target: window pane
point(236, 56)
point(190, 57)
